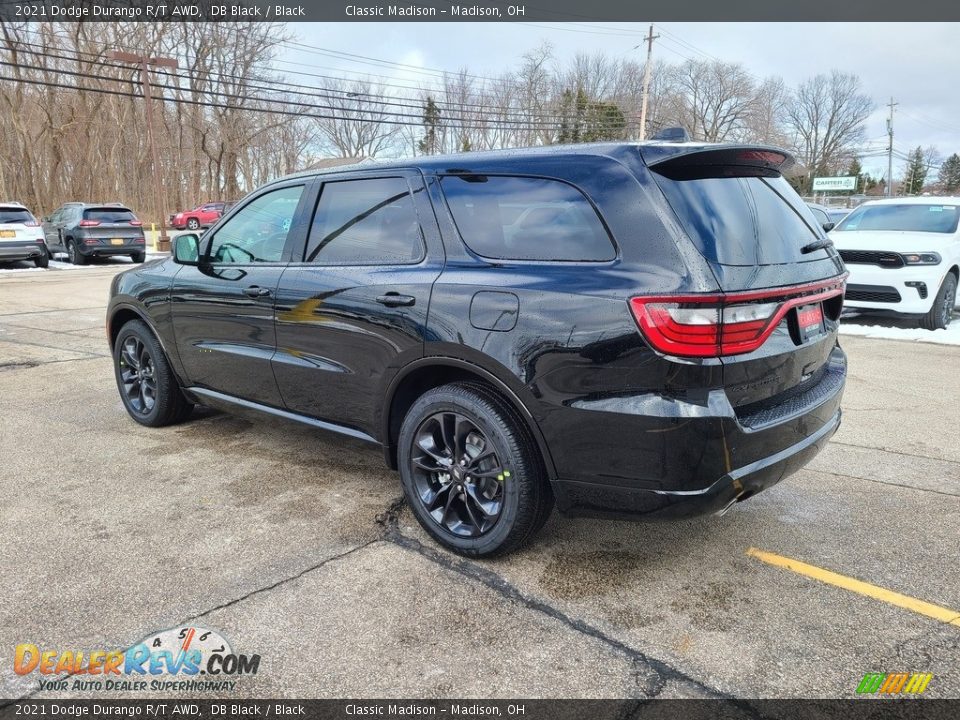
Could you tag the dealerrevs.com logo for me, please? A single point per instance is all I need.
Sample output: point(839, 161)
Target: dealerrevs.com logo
point(186, 659)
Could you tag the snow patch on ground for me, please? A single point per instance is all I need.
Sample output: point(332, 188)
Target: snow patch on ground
point(891, 328)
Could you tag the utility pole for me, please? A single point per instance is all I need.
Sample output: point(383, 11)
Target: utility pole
point(891, 105)
point(646, 82)
point(144, 62)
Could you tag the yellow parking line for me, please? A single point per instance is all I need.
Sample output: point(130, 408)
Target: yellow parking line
point(945, 615)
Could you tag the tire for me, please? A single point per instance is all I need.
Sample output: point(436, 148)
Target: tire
point(139, 257)
point(148, 388)
point(942, 310)
point(43, 261)
point(76, 257)
point(193, 224)
point(504, 503)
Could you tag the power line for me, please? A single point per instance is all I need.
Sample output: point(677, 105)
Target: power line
point(298, 110)
point(413, 103)
point(503, 120)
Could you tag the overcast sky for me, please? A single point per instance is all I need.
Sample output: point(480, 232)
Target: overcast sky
point(915, 63)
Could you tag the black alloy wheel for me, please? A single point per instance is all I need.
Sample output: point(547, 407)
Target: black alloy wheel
point(472, 473)
point(147, 384)
point(458, 475)
point(941, 313)
point(138, 375)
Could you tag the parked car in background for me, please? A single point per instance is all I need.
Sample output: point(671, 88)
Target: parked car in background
point(632, 330)
point(822, 214)
point(200, 217)
point(903, 255)
point(21, 236)
point(88, 230)
point(837, 214)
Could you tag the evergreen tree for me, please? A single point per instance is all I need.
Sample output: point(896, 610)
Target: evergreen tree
point(916, 174)
point(431, 121)
point(949, 176)
point(856, 170)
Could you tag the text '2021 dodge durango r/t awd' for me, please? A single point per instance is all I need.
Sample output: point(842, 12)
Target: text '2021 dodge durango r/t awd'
point(634, 330)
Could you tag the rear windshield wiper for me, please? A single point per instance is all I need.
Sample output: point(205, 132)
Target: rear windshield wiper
point(816, 245)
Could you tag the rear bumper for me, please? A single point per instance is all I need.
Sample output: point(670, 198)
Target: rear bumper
point(694, 462)
point(108, 250)
point(593, 500)
point(10, 251)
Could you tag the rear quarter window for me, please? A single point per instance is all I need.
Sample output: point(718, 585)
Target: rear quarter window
point(524, 218)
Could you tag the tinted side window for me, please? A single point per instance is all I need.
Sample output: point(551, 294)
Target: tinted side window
point(258, 231)
point(520, 218)
point(365, 222)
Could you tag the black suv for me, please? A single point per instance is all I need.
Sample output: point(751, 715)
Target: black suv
point(86, 230)
point(632, 330)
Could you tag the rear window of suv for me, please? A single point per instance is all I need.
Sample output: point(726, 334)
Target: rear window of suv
point(902, 218)
point(524, 218)
point(108, 215)
point(15, 215)
point(741, 220)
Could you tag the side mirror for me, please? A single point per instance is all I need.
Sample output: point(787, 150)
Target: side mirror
point(828, 226)
point(186, 249)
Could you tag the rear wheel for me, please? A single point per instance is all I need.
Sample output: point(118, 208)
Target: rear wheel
point(147, 385)
point(76, 257)
point(139, 257)
point(193, 224)
point(43, 260)
point(471, 473)
point(942, 311)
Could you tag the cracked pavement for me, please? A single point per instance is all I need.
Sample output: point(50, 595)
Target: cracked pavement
point(293, 545)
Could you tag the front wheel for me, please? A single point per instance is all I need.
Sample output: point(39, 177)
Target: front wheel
point(942, 311)
point(148, 387)
point(471, 472)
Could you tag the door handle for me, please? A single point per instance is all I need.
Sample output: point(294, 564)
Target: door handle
point(392, 299)
point(256, 291)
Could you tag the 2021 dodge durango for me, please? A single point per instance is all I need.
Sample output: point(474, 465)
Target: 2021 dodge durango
point(630, 330)
point(904, 257)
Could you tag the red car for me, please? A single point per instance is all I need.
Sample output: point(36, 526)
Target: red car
point(203, 216)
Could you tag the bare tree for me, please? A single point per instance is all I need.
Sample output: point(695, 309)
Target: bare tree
point(356, 125)
point(713, 100)
point(826, 116)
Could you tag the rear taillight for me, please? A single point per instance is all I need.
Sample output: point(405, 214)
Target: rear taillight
point(89, 223)
point(32, 223)
point(136, 223)
point(720, 324)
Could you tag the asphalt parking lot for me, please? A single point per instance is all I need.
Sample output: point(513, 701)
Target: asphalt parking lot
point(295, 546)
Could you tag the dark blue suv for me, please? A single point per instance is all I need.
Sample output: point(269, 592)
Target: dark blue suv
point(632, 330)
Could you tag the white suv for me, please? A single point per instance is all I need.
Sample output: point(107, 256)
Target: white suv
point(21, 236)
point(903, 255)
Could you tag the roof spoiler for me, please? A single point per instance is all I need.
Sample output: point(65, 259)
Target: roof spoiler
point(690, 158)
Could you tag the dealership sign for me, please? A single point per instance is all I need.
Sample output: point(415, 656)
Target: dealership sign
point(835, 183)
